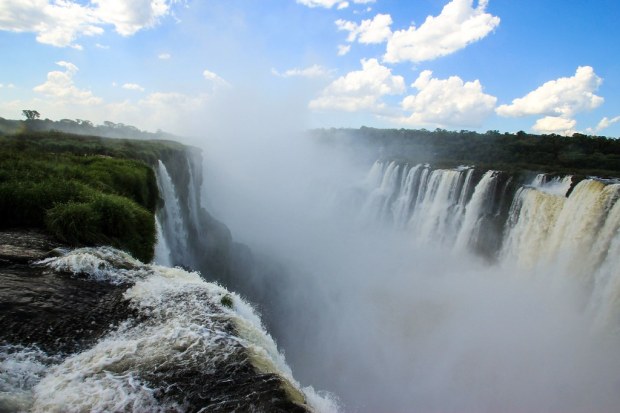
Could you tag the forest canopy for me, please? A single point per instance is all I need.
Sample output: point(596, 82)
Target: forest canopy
point(587, 155)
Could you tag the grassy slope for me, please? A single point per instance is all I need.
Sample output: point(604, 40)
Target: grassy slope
point(84, 190)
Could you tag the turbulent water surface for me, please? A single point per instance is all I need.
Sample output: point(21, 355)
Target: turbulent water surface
point(185, 345)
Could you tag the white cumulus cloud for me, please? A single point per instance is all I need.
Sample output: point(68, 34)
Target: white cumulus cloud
point(565, 96)
point(603, 124)
point(447, 102)
point(343, 49)
point(458, 25)
point(61, 22)
point(360, 90)
point(328, 4)
point(133, 86)
point(216, 80)
point(555, 124)
point(164, 56)
point(128, 17)
point(61, 88)
point(370, 31)
point(313, 71)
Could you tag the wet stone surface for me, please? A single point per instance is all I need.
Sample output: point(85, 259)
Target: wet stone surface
point(56, 312)
point(64, 314)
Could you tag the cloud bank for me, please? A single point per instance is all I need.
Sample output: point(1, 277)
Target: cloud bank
point(61, 22)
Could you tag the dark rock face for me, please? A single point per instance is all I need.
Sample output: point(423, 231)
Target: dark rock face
point(23, 246)
point(56, 312)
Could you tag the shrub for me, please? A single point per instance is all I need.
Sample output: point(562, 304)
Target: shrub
point(105, 220)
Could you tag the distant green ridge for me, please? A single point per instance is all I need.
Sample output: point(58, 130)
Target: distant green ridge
point(578, 154)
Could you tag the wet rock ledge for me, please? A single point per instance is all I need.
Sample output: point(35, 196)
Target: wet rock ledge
point(55, 312)
point(63, 314)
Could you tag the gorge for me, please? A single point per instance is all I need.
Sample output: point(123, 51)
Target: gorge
point(392, 284)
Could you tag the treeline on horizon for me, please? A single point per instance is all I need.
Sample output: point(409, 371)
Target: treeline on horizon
point(79, 127)
point(577, 154)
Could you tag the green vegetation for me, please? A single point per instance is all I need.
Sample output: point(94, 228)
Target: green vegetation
point(84, 190)
point(227, 301)
point(76, 127)
point(579, 154)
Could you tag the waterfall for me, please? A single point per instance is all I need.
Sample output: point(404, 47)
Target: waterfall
point(570, 234)
point(378, 202)
point(434, 218)
point(162, 251)
point(555, 185)
point(432, 205)
point(544, 230)
point(480, 205)
point(171, 218)
point(408, 191)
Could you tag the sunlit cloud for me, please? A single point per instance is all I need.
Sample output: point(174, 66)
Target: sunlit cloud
point(215, 79)
point(343, 49)
point(328, 4)
point(133, 86)
point(313, 71)
point(555, 124)
point(447, 102)
point(61, 22)
point(458, 25)
point(360, 90)
point(61, 87)
point(565, 96)
point(603, 124)
point(376, 30)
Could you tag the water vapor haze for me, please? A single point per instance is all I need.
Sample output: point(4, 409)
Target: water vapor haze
point(386, 323)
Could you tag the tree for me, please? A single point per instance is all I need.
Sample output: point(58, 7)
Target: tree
point(31, 114)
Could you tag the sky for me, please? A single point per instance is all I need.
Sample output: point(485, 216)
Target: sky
point(548, 66)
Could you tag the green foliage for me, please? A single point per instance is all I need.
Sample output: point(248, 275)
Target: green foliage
point(31, 114)
point(227, 301)
point(588, 155)
point(84, 190)
point(105, 220)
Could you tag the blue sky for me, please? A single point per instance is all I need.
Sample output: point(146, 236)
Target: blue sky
point(540, 66)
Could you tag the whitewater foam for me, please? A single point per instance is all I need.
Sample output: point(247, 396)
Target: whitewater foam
point(190, 340)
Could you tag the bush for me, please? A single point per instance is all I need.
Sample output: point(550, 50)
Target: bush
point(23, 203)
point(105, 220)
point(71, 187)
point(76, 223)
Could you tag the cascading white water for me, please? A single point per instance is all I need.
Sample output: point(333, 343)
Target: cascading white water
point(408, 190)
point(429, 204)
point(481, 203)
point(171, 217)
point(162, 250)
point(378, 202)
point(184, 322)
point(194, 195)
point(546, 231)
point(434, 218)
point(556, 185)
